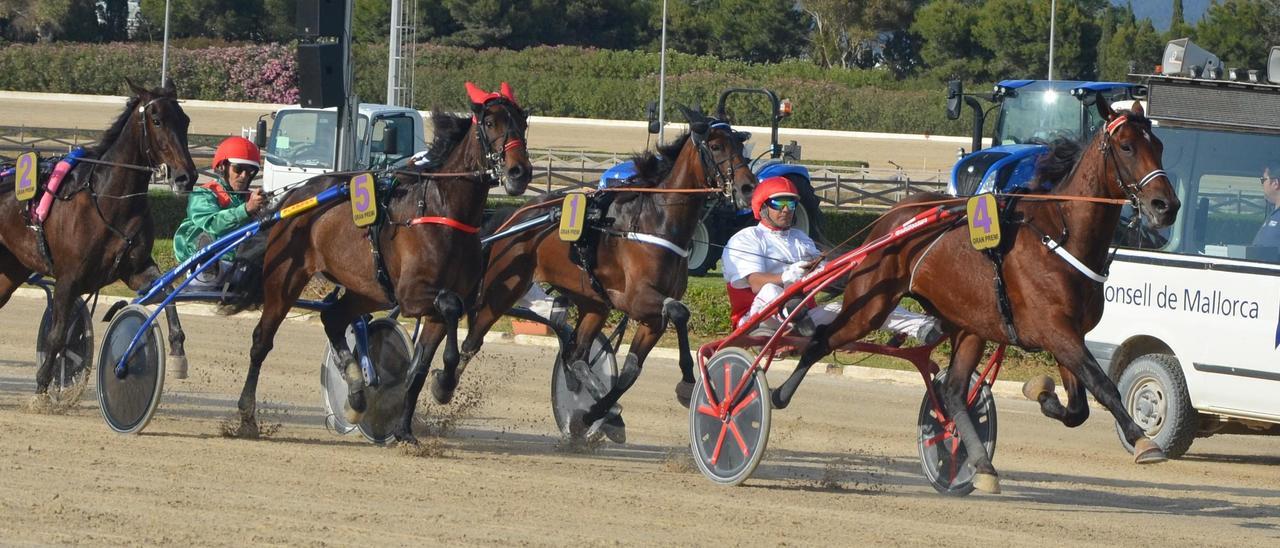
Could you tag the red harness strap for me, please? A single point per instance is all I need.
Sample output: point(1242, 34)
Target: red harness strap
point(446, 222)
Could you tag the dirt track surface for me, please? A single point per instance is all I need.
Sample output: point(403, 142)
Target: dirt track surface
point(841, 468)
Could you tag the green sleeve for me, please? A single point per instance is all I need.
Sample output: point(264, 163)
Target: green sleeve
point(205, 216)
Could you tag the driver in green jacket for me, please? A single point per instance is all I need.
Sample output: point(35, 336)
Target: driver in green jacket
point(218, 207)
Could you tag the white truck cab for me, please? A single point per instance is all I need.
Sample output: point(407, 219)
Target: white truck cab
point(301, 142)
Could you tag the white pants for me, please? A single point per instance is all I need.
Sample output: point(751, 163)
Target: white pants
point(535, 295)
point(900, 320)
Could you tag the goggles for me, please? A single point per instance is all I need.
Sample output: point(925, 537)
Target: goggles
point(787, 203)
point(244, 168)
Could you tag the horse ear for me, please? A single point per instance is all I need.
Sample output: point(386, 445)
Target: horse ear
point(170, 88)
point(1137, 108)
point(478, 96)
point(506, 91)
point(697, 122)
point(135, 88)
point(1104, 109)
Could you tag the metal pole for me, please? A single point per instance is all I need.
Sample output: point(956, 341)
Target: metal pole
point(393, 63)
point(1053, 12)
point(662, 79)
point(164, 50)
point(346, 149)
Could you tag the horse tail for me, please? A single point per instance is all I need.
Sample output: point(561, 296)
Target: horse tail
point(1054, 166)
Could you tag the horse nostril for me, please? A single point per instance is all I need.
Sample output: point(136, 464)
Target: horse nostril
point(1159, 205)
point(516, 172)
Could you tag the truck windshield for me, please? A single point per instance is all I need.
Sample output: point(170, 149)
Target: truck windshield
point(1217, 175)
point(1038, 113)
point(305, 138)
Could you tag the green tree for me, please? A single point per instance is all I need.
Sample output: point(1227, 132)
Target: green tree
point(1240, 32)
point(50, 20)
point(1178, 27)
point(848, 33)
point(225, 19)
point(949, 47)
point(758, 31)
point(371, 21)
point(1135, 43)
point(114, 15)
point(279, 20)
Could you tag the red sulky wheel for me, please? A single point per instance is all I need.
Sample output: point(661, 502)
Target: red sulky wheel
point(942, 456)
point(729, 440)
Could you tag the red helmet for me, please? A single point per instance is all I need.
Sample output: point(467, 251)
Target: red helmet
point(237, 150)
point(768, 188)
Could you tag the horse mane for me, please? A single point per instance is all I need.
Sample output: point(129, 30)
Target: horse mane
point(112, 134)
point(1056, 165)
point(652, 168)
point(450, 129)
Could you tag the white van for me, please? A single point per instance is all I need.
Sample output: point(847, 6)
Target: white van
point(1191, 329)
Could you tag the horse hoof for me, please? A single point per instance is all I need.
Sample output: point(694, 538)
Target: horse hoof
point(777, 401)
point(1038, 386)
point(442, 394)
point(580, 370)
point(684, 393)
point(578, 424)
point(1146, 451)
point(177, 366)
point(987, 483)
point(614, 428)
point(405, 438)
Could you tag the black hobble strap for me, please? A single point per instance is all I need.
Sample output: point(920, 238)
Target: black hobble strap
point(583, 251)
point(374, 233)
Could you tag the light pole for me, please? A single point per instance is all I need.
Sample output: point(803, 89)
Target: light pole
point(662, 78)
point(164, 50)
point(1053, 11)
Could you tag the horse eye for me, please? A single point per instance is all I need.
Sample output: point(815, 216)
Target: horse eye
point(1125, 147)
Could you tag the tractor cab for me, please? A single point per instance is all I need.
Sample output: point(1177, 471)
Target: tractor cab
point(1032, 113)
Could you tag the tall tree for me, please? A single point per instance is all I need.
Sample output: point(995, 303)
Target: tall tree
point(114, 15)
point(950, 48)
point(1240, 32)
point(225, 19)
point(49, 20)
point(1135, 43)
point(751, 30)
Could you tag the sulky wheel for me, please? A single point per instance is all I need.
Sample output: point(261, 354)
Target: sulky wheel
point(128, 402)
point(566, 400)
point(390, 352)
point(942, 456)
point(71, 368)
point(728, 441)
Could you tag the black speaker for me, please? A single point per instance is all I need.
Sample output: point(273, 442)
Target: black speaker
point(321, 18)
point(320, 75)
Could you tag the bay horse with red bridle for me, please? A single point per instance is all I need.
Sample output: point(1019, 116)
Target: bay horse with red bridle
point(1051, 264)
point(100, 228)
point(638, 264)
point(428, 256)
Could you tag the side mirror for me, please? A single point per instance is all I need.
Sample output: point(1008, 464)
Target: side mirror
point(955, 91)
point(260, 134)
point(651, 114)
point(390, 140)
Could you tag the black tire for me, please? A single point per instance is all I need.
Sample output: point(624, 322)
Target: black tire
point(1155, 395)
point(704, 248)
point(390, 351)
point(603, 364)
point(128, 403)
point(946, 470)
point(71, 369)
point(727, 451)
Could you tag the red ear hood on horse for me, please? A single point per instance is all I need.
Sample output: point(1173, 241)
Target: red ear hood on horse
point(480, 97)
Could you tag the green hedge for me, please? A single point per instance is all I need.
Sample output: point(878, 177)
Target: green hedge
point(552, 81)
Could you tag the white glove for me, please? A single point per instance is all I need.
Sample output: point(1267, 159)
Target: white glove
point(794, 272)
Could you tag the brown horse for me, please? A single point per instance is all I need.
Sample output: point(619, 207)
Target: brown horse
point(100, 230)
point(643, 279)
point(428, 241)
point(1052, 304)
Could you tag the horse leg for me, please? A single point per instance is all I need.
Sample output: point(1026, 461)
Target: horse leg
point(613, 427)
point(677, 313)
point(177, 360)
point(428, 340)
point(591, 319)
point(64, 295)
point(1041, 389)
point(1072, 354)
point(12, 275)
point(336, 318)
point(445, 381)
point(282, 287)
point(964, 359)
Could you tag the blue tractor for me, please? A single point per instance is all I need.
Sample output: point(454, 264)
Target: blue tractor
point(1031, 114)
point(729, 212)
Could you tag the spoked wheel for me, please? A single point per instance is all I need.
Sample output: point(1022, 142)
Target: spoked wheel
point(565, 400)
point(71, 367)
point(728, 445)
point(942, 455)
point(390, 351)
point(128, 403)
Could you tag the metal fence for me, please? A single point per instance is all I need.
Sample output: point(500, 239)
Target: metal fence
point(836, 186)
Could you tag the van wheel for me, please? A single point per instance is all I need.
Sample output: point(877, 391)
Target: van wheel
point(1155, 395)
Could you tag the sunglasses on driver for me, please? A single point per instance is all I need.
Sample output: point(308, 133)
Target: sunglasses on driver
point(782, 203)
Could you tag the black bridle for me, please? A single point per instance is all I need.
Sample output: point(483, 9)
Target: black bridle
point(494, 171)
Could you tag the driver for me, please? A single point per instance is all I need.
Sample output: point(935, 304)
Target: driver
point(761, 260)
point(1269, 233)
point(217, 207)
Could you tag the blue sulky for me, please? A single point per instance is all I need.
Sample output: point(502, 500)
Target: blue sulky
point(186, 272)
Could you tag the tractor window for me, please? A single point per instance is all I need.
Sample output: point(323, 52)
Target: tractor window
point(1039, 116)
point(1217, 176)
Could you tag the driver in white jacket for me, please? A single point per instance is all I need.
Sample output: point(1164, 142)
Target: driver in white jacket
point(761, 260)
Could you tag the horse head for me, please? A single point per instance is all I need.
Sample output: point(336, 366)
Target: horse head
point(163, 127)
point(500, 126)
point(1135, 154)
point(719, 149)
